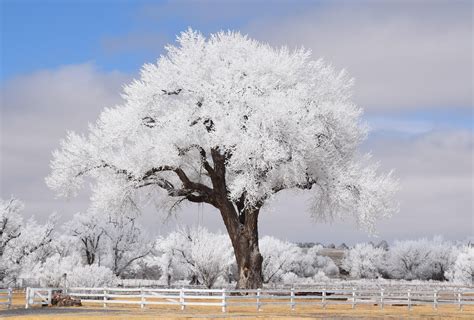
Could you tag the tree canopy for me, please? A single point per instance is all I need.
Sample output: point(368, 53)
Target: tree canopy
point(280, 120)
point(230, 122)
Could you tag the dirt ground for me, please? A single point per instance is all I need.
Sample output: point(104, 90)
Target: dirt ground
point(119, 312)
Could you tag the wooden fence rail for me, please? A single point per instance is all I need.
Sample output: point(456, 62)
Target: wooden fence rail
point(6, 297)
point(225, 298)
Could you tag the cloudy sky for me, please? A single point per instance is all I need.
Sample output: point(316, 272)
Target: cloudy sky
point(62, 62)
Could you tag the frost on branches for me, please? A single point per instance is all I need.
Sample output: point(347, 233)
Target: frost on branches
point(462, 271)
point(21, 245)
point(195, 254)
point(278, 258)
point(10, 222)
point(89, 230)
point(421, 259)
point(116, 240)
point(364, 261)
point(230, 122)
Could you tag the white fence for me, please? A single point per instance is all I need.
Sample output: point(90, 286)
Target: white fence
point(39, 296)
point(6, 297)
point(293, 298)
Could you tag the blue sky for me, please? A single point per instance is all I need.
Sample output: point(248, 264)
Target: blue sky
point(39, 35)
point(47, 34)
point(412, 64)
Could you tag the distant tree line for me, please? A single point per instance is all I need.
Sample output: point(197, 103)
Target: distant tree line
point(91, 250)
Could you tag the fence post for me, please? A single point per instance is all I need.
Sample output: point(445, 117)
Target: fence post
point(50, 296)
point(381, 298)
point(181, 299)
point(409, 299)
point(292, 299)
point(142, 298)
point(258, 298)
point(224, 303)
point(324, 298)
point(460, 300)
point(27, 302)
point(435, 300)
point(353, 298)
point(10, 294)
point(105, 298)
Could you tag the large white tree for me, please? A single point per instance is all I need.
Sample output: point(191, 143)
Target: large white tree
point(230, 122)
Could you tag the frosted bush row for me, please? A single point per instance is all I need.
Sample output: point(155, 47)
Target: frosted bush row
point(87, 251)
point(412, 259)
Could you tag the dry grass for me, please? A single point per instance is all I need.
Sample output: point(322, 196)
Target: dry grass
point(116, 312)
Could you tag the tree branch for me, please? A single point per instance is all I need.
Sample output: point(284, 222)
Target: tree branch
point(202, 153)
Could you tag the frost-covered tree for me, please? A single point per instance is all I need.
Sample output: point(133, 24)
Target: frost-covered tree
point(58, 271)
point(421, 259)
point(10, 222)
point(364, 261)
point(462, 271)
point(53, 272)
point(35, 241)
point(32, 246)
point(88, 229)
point(196, 254)
point(148, 268)
point(91, 276)
point(65, 245)
point(278, 258)
point(442, 257)
point(126, 242)
point(10, 229)
point(311, 263)
point(230, 122)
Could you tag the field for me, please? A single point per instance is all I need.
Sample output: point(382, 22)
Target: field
point(267, 312)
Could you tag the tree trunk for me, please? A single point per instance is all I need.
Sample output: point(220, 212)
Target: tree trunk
point(241, 224)
point(249, 261)
point(243, 232)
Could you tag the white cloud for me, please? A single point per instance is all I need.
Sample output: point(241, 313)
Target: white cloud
point(151, 43)
point(37, 110)
point(403, 54)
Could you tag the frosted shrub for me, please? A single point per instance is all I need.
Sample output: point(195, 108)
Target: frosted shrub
point(462, 271)
point(195, 254)
point(421, 259)
point(11, 222)
point(289, 278)
point(126, 242)
point(59, 271)
point(330, 268)
point(52, 272)
point(364, 261)
point(22, 245)
point(212, 256)
point(91, 276)
point(308, 264)
point(320, 277)
point(278, 258)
